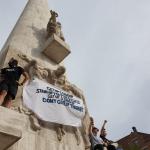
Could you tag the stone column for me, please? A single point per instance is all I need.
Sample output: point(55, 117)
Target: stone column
point(28, 35)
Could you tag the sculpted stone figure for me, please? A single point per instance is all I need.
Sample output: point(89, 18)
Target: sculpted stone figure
point(72, 89)
point(54, 15)
point(57, 77)
point(34, 121)
point(51, 26)
point(84, 134)
point(59, 32)
point(67, 87)
point(60, 131)
point(77, 135)
point(33, 69)
point(54, 27)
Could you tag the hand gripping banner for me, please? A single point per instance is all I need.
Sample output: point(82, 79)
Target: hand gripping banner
point(52, 104)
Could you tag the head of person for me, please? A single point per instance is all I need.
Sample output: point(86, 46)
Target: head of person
point(13, 63)
point(95, 130)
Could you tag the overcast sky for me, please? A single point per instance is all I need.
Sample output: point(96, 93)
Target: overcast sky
point(110, 59)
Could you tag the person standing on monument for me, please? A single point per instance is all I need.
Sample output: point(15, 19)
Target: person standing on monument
point(96, 142)
point(103, 134)
point(10, 82)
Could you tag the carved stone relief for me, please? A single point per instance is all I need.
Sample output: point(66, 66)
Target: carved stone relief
point(58, 78)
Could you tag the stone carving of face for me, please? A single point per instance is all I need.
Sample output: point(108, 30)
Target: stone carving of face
point(60, 71)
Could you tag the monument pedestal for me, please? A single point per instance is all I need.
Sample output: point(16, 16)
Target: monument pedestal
point(8, 135)
point(10, 127)
point(56, 49)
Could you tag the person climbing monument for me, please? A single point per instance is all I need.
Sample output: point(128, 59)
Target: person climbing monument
point(10, 81)
point(96, 142)
point(107, 143)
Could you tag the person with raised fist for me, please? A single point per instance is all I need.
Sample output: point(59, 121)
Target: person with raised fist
point(96, 142)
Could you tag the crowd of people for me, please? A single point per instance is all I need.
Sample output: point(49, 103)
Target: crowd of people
point(98, 139)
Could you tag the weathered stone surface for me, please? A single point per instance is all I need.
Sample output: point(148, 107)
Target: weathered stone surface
point(11, 126)
point(29, 33)
point(8, 136)
point(29, 37)
point(56, 49)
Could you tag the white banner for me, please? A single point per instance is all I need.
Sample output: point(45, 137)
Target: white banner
point(52, 104)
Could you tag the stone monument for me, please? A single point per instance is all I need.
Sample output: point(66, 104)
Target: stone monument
point(38, 44)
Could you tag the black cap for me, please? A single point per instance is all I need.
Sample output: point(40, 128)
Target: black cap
point(13, 62)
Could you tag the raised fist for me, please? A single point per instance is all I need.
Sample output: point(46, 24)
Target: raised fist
point(105, 121)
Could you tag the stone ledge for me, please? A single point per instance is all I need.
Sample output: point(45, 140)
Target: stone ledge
point(8, 135)
point(11, 125)
point(56, 49)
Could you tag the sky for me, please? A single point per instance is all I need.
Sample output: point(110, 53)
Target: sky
point(110, 58)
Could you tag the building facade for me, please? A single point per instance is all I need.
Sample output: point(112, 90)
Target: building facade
point(135, 140)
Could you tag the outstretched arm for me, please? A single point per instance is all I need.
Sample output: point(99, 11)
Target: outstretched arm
point(26, 77)
point(102, 132)
point(103, 126)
